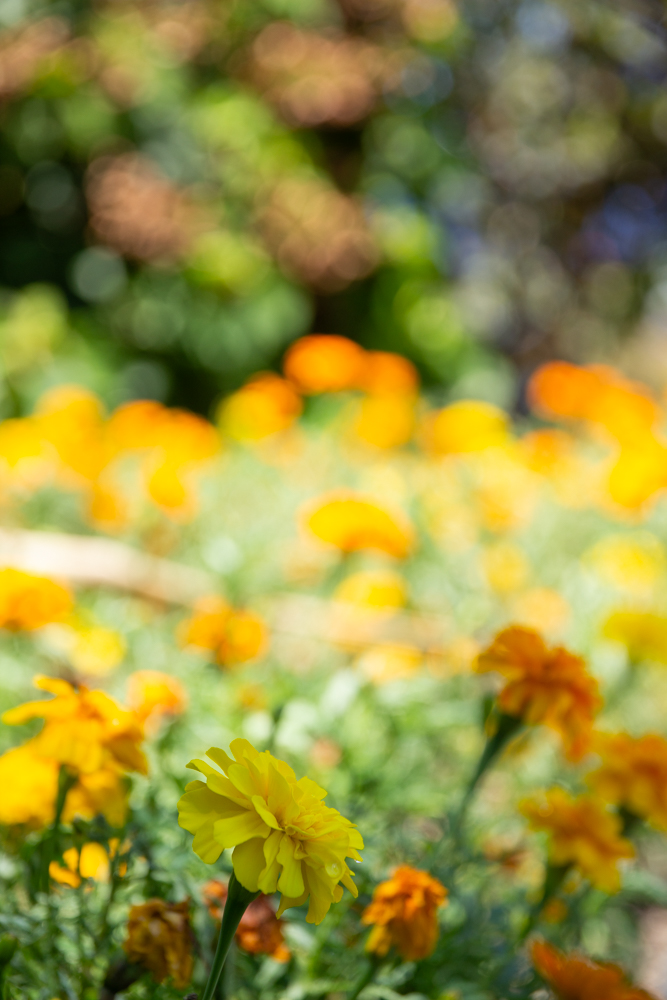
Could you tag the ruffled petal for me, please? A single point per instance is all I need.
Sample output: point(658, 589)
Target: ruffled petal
point(233, 830)
point(248, 861)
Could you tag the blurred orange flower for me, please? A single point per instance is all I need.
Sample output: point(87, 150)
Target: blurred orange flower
point(260, 932)
point(633, 774)
point(386, 373)
point(575, 977)
point(352, 524)
point(29, 602)
point(263, 406)
point(324, 363)
point(582, 833)
point(466, 426)
point(232, 635)
point(84, 729)
point(153, 695)
point(71, 421)
point(404, 914)
point(159, 938)
point(548, 687)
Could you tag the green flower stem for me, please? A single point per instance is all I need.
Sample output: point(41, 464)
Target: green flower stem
point(366, 976)
point(238, 899)
point(553, 879)
point(50, 847)
point(508, 726)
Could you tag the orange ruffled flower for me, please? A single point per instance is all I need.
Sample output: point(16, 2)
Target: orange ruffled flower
point(353, 524)
point(260, 932)
point(265, 405)
point(29, 602)
point(633, 774)
point(404, 914)
point(548, 687)
point(575, 977)
point(159, 938)
point(232, 635)
point(86, 730)
point(582, 833)
point(325, 363)
point(153, 695)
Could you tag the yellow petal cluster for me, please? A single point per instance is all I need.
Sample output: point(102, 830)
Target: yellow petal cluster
point(353, 523)
point(633, 774)
point(583, 833)
point(284, 837)
point(29, 602)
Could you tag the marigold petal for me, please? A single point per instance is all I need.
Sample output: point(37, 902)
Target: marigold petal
point(248, 861)
point(233, 830)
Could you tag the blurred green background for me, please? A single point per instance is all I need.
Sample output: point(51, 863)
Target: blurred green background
point(186, 187)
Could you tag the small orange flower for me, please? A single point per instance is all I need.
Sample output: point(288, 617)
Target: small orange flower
point(233, 635)
point(265, 405)
point(404, 914)
point(351, 523)
point(30, 602)
point(389, 374)
point(159, 938)
point(325, 363)
point(583, 833)
point(153, 695)
point(86, 730)
point(575, 977)
point(548, 687)
point(260, 932)
point(633, 774)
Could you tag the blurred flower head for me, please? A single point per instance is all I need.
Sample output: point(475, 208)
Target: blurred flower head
point(159, 938)
point(324, 363)
point(643, 633)
point(29, 602)
point(575, 977)
point(583, 833)
point(232, 635)
point(284, 837)
point(544, 686)
point(259, 931)
point(386, 373)
point(404, 914)
point(389, 662)
point(633, 774)
point(385, 420)
point(265, 405)
point(373, 589)
point(351, 523)
point(92, 862)
point(29, 787)
point(155, 696)
point(466, 426)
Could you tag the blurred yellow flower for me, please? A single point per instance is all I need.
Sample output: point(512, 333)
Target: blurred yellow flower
point(633, 774)
point(29, 786)
point(351, 523)
point(505, 566)
point(324, 363)
point(28, 601)
point(263, 406)
point(71, 422)
point(544, 686)
point(385, 420)
point(232, 635)
point(83, 729)
point(98, 793)
point(404, 913)
point(390, 662)
point(541, 608)
point(93, 863)
point(583, 833)
point(373, 589)
point(643, 633)
point(159, 938)
point(284, 837)
point(633, 563)
point(575, 977)
point(153, 695)
point(465, 426)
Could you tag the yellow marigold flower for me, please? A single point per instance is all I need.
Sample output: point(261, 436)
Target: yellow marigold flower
point(29, 786)
point(386, 420)
point(152, 695)
point(284, 837)
point(29, 602)
point(324, 363)
point(633, 774)
point(71, 420)
point(582, 833)
point(232, 635)
point(544, 686)
point(575, 977)
point(351, 523)
point(93, 863)
point(389, 662)
point(84, 729)
point(373, 589)
point(465, 426)
point(404, 912)
point(643, 633)
point(160, 939)
point(265, 405)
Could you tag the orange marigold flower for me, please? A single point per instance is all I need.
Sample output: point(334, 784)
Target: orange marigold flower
point(233, 635)
point(152, 695)
point(325, 363)
point(575, 977)
point(352, 524)
point(260, 931)
point(265, 405)
point(582, 833)
point(404, 914)
point(388, 373)
point(71, 420)
point(28, 601)
point(159, 937)
point(548, 687)
point(86, 730)
point(466, 426)
point(633, 774)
